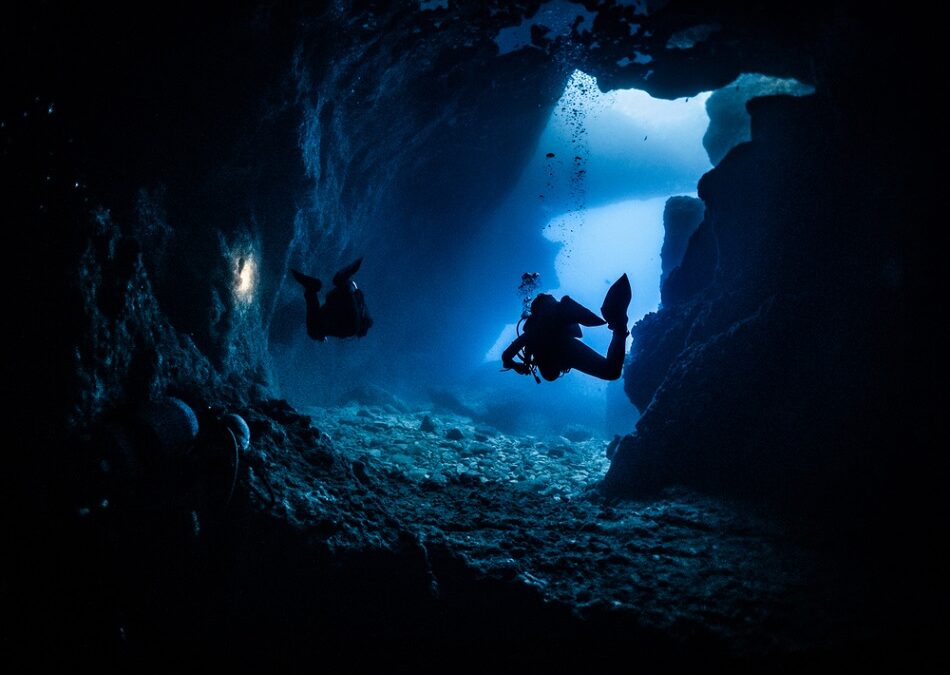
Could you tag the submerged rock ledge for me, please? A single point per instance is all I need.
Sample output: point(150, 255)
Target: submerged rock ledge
point(351, 526)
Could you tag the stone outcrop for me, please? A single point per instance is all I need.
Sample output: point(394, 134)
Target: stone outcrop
point(681, 217)
point(726, 107)
point(775, 376)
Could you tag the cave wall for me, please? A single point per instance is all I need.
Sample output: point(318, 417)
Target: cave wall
point(761, 363)
point(797, 358)
point(175, 122)
point(413, 132)
point(305, 134)
point(416, 129)
point(790, 361)
point(726, 107)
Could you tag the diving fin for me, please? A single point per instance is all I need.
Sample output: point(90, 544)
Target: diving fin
point(616, 302)
point(310, 284)
point(575, 312)
point(341, 277)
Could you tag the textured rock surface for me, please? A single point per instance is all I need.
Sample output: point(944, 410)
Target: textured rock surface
point(778, 378)
point(352, 526)
point(800, 365)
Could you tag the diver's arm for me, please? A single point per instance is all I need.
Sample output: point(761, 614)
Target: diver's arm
point(507, 356)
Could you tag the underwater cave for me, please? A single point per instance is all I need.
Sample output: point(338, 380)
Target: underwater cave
point(197, 479)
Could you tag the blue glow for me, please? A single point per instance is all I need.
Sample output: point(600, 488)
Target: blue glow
point(595, 189)
point(621, 237)
point(604, 168)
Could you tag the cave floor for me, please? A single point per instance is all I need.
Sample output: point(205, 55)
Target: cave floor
point(524, 511)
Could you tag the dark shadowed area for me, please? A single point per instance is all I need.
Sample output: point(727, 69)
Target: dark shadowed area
point(195, 482)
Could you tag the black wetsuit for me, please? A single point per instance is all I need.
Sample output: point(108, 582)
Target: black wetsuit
point(550, 341)
point(343, 314)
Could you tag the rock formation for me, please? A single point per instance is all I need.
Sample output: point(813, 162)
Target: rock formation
point(793, 368)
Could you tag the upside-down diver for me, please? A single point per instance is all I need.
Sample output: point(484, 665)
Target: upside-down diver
point(550, 342)
point(343, 314)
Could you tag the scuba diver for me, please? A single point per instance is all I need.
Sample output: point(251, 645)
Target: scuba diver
point(343, 313)
point(550, 344)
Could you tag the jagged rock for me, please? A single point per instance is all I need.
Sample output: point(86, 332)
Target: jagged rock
point(417, 474)
point(359, 470)
point(372, 395)
point(454, 434)
point(612, 446)
point(450, 402)
point(657, 341)
point(748, 380)
point(681, 217)
point(728, 120)
point(577, 433)
point(486, 431)
point(427, 424)
point(696, 271)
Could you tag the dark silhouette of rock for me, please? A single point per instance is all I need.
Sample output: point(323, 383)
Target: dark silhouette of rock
point(681, 217)
point(696, 270)
point(612, 446)
point(726, 107)
point(798, 360)
point(777, 378)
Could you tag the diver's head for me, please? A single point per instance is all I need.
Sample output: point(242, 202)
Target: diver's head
point(543, 303)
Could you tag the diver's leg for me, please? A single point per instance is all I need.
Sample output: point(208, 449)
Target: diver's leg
point(314, 322)
point(311, 286)
point(580, 357)
point(615, 353)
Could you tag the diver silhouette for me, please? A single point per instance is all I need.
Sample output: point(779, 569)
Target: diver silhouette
point(343, 314)
point(550, 344)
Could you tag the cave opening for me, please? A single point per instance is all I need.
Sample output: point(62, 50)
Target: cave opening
point(604, 166)
point(198, 472)
point(587, 204)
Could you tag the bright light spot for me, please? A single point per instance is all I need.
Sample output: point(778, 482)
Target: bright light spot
point(246, 271)
point(685, 118)
point(618, 145)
